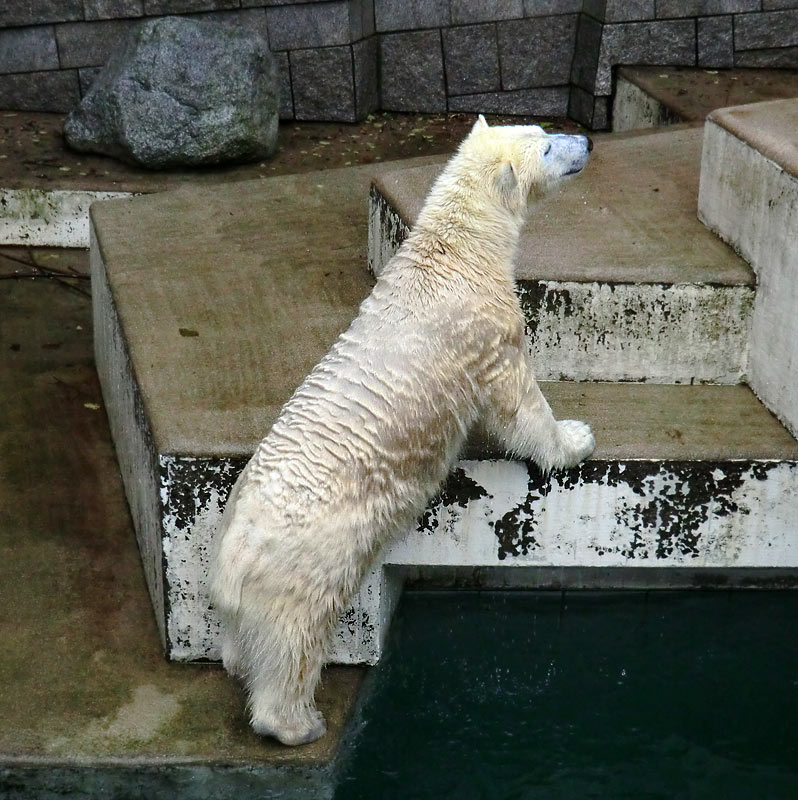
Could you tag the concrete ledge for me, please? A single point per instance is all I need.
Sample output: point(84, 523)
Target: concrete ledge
point(617, 278)
point(688, 477)
point(647, 97)
point(749, 197)
point(769, 128)
point(634, 108)
point(160, 780)
point(48, 218)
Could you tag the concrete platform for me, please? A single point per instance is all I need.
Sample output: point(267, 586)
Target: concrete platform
point(649, 97)
point(199, 343)
point(618, 279)
point(212, 305)
point(89, 706)
point(749, 197)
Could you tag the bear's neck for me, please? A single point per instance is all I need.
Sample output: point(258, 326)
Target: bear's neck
point(460, 230)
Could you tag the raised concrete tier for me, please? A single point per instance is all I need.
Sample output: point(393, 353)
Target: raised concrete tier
point(211, 306)
point(648, 97)
point(618, 279)
point(749, 197)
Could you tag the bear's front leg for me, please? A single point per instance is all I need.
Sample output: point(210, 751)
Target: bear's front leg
point(519, 416)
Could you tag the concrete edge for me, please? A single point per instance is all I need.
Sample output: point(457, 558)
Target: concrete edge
point(749, 201)
point(54, 218)
point(636, 109)
point(598, 578)
point(130, 429)
point(734, 120)
point(165, 781)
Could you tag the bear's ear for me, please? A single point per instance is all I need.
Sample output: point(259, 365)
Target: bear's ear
point(479, 124)
point(507, 180)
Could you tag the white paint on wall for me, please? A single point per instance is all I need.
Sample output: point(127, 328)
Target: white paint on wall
point(602, 514)
point(677, 333)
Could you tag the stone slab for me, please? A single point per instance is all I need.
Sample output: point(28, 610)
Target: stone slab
point(715, 39)
point(641, 293)
point(472, 60)
point(323, 84)
point(749, 197)
point(537, 51)
point(411, 72)
point(28, 49)
point(52, 90)
point(269, 248)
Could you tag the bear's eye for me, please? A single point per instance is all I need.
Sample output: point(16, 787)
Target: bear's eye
point(548, 148)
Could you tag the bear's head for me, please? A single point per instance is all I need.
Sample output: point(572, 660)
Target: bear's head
point(522, 162)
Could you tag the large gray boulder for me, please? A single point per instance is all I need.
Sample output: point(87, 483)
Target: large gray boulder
point(181, 92)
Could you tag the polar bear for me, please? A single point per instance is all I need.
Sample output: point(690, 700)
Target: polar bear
point(368, 438)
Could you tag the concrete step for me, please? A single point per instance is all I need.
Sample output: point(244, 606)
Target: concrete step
point(648, 97)
point(210, 306)
point(618, 279)
point(749, 197)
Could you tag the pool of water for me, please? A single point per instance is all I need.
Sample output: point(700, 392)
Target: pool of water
point(532, 696)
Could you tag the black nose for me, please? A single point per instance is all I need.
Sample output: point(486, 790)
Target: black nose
point(589, 143)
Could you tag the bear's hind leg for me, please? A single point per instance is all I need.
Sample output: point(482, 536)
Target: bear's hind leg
point(232, 659)
point(284, 666)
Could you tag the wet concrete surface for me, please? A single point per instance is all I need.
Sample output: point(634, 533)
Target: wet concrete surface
point(83, 677)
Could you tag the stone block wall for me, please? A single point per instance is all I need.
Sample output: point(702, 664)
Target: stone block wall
point(342, 59)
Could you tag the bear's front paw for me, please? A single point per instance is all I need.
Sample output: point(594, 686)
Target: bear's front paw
point(577, 442)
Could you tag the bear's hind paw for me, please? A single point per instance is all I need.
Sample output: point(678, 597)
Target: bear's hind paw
point(292, 734)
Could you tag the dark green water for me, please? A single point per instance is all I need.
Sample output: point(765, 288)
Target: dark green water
point(532, 696)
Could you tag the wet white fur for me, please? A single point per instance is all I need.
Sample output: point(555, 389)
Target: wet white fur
point(368, 438)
